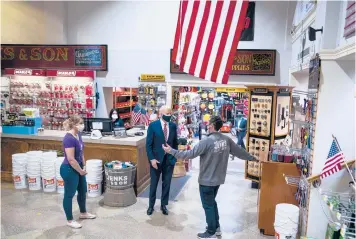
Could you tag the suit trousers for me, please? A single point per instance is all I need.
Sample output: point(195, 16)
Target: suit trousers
point(166, 170)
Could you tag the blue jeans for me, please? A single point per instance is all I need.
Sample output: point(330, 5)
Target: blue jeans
point(207, 196)
point(240, 139)
point(73, 181)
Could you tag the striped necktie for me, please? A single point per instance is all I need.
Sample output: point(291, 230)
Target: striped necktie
point(165, 131)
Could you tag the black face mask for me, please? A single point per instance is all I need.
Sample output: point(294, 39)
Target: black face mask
point(166, 118)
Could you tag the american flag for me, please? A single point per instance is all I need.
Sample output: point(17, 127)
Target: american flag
point(136, 114)
point(207, 35)
point(145, 118)
point(334, 161)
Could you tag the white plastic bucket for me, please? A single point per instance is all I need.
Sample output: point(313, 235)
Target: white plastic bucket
point(19, 181)
point(60, 185)
point(34, 182)
point(286, 221)
point(281, 233)
point(94, 188)
point(49, 184)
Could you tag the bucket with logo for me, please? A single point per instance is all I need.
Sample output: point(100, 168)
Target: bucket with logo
point(286, 221)
point(19, 162)
point(94, 177)
point(48, 171)
point(34, 170)
point(60, 182)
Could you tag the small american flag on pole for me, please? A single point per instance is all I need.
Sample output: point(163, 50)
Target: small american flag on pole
point(334, 160)
point(207, 35)
point(145, 118)
point(136, 114)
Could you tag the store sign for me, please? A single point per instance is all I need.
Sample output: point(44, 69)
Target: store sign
point(260, 90)
point(81, 57)
point(25, 72)
point(284, 90)
point(66, 73)
point(152, 78)
point(246, 62)
point(233, 90)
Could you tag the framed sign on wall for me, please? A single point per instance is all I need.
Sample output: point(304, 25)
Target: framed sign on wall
point(80, 57)
point(246, 62)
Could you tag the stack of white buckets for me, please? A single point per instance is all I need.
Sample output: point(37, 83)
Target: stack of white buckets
point(34, 170)
point(94, 177)
point(43, 169)
point(48, 171)
point(286, 221)
point(19, 170)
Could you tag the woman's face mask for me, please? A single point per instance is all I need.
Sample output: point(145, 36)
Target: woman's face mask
point(80, 127)
point(114, 116)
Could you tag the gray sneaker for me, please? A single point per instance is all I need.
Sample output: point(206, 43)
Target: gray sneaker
point(218, 231)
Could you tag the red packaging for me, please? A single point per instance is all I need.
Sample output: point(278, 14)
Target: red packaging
point(89, 90)
point(89, 103)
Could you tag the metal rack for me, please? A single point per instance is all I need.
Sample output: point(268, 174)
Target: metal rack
point(342, 210)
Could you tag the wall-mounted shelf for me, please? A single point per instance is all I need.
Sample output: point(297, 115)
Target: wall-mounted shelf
point(346, 52)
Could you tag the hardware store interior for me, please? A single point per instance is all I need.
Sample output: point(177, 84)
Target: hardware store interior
point(289, 100)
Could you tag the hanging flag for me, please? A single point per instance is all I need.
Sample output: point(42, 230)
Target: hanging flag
point(207, 35)
point(136, 114)
point(334, 160)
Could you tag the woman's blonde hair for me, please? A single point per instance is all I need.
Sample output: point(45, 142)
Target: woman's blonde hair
point(71, 122)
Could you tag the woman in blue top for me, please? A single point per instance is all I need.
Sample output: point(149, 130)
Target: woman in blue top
point(73, 171)
point(115, 118)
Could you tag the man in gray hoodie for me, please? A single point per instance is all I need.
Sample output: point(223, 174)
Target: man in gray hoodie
point(214, 154)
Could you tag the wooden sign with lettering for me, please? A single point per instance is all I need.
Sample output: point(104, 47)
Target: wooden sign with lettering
point(152, 78)
point(246, 62)
point(74, 57)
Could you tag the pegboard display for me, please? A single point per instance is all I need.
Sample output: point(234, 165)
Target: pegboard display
point(260, 115)
point(259, 148)
point(253, 168)
point(282, 116)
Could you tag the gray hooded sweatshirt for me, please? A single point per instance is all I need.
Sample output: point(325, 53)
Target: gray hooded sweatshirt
point(214, 154)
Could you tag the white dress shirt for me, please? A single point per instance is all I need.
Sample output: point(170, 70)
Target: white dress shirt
point(162, 123)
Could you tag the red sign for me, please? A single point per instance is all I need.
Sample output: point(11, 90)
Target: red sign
point(79, 57)
point(247, 62)
point(70, 73)
point(25, 72)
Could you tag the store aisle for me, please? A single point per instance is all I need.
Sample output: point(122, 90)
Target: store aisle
point(39, 215)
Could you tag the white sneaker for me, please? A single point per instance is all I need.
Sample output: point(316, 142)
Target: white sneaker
point(74, 224)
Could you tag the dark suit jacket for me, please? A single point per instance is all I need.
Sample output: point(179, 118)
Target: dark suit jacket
point(155, 139)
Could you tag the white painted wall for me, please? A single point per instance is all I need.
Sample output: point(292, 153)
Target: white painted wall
point(140, 35)
point(335, 115)
point(33, 22)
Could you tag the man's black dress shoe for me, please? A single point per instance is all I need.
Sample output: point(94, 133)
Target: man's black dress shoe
point(164, 210)
point(150, 211)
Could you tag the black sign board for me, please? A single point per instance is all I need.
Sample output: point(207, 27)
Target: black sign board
point(314, 73)
point(260, 90)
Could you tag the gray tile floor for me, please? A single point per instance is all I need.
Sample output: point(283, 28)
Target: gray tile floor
point(26, 215)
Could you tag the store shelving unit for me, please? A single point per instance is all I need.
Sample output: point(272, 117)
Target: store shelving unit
point(124, 99)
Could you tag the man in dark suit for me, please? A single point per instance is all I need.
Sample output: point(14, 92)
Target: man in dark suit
point(160, 132)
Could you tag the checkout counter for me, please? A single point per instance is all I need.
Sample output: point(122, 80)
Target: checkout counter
point(107, 148)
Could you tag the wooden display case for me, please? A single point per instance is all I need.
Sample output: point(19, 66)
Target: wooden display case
point(124, 99)
point(268, 123)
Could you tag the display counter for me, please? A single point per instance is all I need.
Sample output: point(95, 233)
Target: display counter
point(107, 149)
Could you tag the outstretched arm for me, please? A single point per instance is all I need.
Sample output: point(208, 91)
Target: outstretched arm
point(239, 152)
point(197, 150)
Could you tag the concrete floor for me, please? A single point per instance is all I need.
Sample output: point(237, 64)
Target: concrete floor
point(26, 215)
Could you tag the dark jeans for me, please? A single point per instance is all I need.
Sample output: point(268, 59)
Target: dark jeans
point(208, 195)
point(73, 181)
point(166, 170)
point(240, 139)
